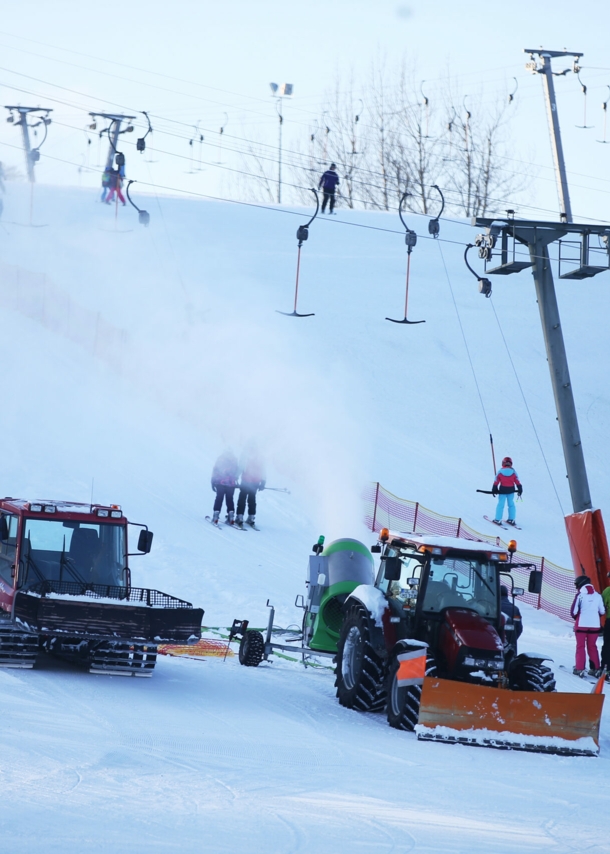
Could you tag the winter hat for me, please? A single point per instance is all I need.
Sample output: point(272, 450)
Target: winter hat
point(503, 590)
point(581, 581)
point(507, 461)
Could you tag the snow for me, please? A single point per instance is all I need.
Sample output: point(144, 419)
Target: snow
point(208, 755)
point(482, 736)
point(372, 599)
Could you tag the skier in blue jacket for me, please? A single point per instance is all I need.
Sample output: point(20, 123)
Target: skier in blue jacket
point(329, 183)
point(505, 485)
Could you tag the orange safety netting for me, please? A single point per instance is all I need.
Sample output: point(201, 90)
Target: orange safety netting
point(204, 648)
point(385, 510)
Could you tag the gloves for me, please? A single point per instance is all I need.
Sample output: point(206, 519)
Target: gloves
point(214, 487)
point(261, 486)
point(494, 490)
point(520, 490)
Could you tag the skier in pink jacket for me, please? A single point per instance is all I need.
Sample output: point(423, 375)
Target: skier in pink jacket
point(587, 608)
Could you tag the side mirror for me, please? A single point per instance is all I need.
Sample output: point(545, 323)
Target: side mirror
point(3, 529)
point(376, 549)
point(145, 541)
point(413, 582)
point(392, 569)
point(518, 591)
point(535, 582)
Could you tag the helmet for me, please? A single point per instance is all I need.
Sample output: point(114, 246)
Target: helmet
point(581, 581)
point(507, 461)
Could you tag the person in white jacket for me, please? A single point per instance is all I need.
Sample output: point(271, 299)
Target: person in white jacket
point(587, 608)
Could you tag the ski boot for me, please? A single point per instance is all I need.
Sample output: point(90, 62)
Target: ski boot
point(578, 672)
point(251, 520)
point(230, 517)
point(511, 522)
point(239, 520)
point(496, 522)
point(215, 517)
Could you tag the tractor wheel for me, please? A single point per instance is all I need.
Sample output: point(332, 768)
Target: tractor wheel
point(251, 649)
point(531, 676)
point(403, 703)
point(360, 672)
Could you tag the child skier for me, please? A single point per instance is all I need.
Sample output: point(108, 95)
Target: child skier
point(587, 608)
point(505, 485)
point(224, 481)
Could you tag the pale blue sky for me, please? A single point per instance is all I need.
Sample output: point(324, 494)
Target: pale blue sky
point(235, 48)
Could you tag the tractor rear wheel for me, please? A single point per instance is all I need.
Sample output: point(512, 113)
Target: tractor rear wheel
point(532, 676)
point(403, 703)
point(251, 649)
point(360, 672)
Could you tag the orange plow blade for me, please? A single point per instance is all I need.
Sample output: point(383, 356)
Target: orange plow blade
point(461, 713)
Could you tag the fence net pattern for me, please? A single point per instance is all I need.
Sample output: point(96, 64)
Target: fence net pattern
point(385, 510)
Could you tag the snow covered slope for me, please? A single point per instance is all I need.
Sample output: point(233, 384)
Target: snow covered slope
point(132, 357)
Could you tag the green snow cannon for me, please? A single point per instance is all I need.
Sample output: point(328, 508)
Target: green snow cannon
point(332, 575)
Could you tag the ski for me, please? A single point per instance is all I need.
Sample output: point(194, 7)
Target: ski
point(235, 527)
point(254, 527)
point(214, 524)
point(497, 524)
point(586, 677)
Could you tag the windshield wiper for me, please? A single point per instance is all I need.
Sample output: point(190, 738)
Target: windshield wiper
point(29, 562)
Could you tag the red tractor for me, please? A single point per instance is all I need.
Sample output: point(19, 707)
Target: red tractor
point(427, 642)
point(65, 587)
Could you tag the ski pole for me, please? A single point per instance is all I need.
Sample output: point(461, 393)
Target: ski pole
point(278, 489)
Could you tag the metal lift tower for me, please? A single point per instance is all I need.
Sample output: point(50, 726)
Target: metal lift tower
point(19, 117)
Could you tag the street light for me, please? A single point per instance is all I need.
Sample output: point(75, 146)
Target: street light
point(284, 90)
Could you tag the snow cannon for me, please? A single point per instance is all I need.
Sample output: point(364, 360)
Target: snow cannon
point(332, 576)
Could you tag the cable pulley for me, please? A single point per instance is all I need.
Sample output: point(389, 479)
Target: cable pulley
point(434, 226)
point(484, 284)
point(143, 216)
point(302, 236)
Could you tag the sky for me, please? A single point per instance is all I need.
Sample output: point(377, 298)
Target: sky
point(199, 66)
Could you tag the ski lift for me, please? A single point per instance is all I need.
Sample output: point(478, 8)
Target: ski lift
point(512, 94)
point(604, 141)
point(141, 142)
point(434, 226)
point(484, 284)
point(584, 125)
point(143, 216)
point(450, 124)
point(220, 135)
point(197, 137)
point(302, 236)
point(426, 106)
point(411, 241)
point(486, 244)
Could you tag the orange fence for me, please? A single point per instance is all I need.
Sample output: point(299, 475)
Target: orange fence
point(384, 510)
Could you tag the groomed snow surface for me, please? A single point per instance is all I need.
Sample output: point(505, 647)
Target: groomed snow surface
point(186, 356)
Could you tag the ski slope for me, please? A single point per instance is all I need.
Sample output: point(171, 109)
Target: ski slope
point(209, 755)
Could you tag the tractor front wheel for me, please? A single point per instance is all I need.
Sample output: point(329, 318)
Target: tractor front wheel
point(251, 649)
point(403, 703)
point(531, 676)
point(359, 673)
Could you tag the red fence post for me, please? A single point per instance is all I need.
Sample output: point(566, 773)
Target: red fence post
point(415, 517)
point(542, 571)
point(375, 507)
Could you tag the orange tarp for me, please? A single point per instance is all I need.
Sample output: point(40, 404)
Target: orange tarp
point(589, 546)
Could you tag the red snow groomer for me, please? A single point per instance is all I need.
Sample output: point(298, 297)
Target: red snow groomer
point(426, 642)
point(65, 587)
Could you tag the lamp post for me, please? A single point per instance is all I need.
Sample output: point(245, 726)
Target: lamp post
point(284, 90)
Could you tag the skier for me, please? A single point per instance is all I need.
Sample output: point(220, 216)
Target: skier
point(105, 183)
point(252, 480)
point(513, 625)
point(116, 182)
point(505, 484)
point(587, 608)
point(224, 481)
point(606, 646)
point(329, 183)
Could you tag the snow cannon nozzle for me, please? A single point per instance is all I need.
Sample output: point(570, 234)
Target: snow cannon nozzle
point(319, 546)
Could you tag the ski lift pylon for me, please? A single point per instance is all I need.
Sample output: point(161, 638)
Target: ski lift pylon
point(411, 241)
point(302, 235)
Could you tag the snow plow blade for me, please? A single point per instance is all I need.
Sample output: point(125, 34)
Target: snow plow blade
point(462, 713)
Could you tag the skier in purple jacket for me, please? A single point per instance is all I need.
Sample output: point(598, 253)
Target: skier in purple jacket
point(224, 481)
point(329, 183)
